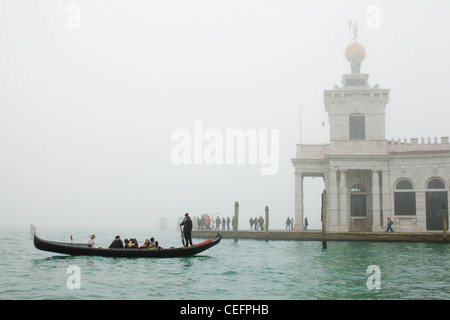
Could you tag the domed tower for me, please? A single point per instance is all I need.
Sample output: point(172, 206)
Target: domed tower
point(355, 54)
point(357, 151)
point(356, 111)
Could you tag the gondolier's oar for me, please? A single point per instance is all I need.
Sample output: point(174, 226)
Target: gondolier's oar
point(182, 236)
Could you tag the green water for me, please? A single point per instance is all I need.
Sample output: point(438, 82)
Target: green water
point(247, 269)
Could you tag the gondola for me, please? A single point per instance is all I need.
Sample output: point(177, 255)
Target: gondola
point(83, 249)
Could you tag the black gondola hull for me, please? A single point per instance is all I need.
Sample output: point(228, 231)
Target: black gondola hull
point(80, 249)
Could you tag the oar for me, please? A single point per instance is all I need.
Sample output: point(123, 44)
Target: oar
point(182, 236)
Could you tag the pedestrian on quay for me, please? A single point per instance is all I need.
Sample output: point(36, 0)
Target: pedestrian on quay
point(389, 225)
point(288, 223)
point(217, 223)
point(208, 223)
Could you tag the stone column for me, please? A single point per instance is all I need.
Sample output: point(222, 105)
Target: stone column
point(298, 222)
point(343, 223)
point(386, 201)
point(332, 220)
point(376, 201)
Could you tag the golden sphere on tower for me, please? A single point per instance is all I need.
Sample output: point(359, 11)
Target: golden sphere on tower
point(355, 50)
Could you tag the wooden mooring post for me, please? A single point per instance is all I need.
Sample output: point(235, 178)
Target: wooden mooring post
point(444, 223)
point(236, 221)
point(323, 215)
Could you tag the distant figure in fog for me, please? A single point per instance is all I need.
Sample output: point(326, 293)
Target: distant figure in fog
point(292, 223)
point(305, 227)
point(288, 223)
point(217, 223)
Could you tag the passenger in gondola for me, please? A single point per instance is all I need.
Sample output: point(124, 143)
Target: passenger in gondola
point(132, 244)
point(117, 243)
point(146, 244)
point(92, 241)
point(152, 243)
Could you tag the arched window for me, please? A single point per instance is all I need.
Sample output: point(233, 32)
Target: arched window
point(435, 184)
point(358, 188)
point(404, 199)
point(436, 201)
point(404, 185)
point(358, 201)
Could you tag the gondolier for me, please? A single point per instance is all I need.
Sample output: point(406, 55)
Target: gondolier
point(187, 223)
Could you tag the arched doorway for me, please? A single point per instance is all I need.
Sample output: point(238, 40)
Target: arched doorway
point(436, 201)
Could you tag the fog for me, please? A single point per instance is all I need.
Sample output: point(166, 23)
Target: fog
point(91, 93)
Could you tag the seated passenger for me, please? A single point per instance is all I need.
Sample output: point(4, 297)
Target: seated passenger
point(152, 243)
point(146, 244)
point(92, 241)
point(132, 243)
point(117, 243)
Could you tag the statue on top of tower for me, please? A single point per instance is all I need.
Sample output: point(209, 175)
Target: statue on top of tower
point(353, 27)
point(355, 52)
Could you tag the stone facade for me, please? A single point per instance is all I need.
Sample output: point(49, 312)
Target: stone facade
point(368, 178)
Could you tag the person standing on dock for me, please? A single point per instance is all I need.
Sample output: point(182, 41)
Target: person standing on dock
point(305, 227)
point(187, 223)
point(217, 223)
point(208, 223)
point(288, 223)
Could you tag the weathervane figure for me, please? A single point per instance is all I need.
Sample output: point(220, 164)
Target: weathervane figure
point(353, 27)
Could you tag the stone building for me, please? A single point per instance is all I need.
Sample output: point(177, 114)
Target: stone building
point(368, 178)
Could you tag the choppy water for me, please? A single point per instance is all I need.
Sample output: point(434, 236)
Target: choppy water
point(247, 269)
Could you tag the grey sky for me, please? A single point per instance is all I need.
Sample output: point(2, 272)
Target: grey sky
point(86, 115)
